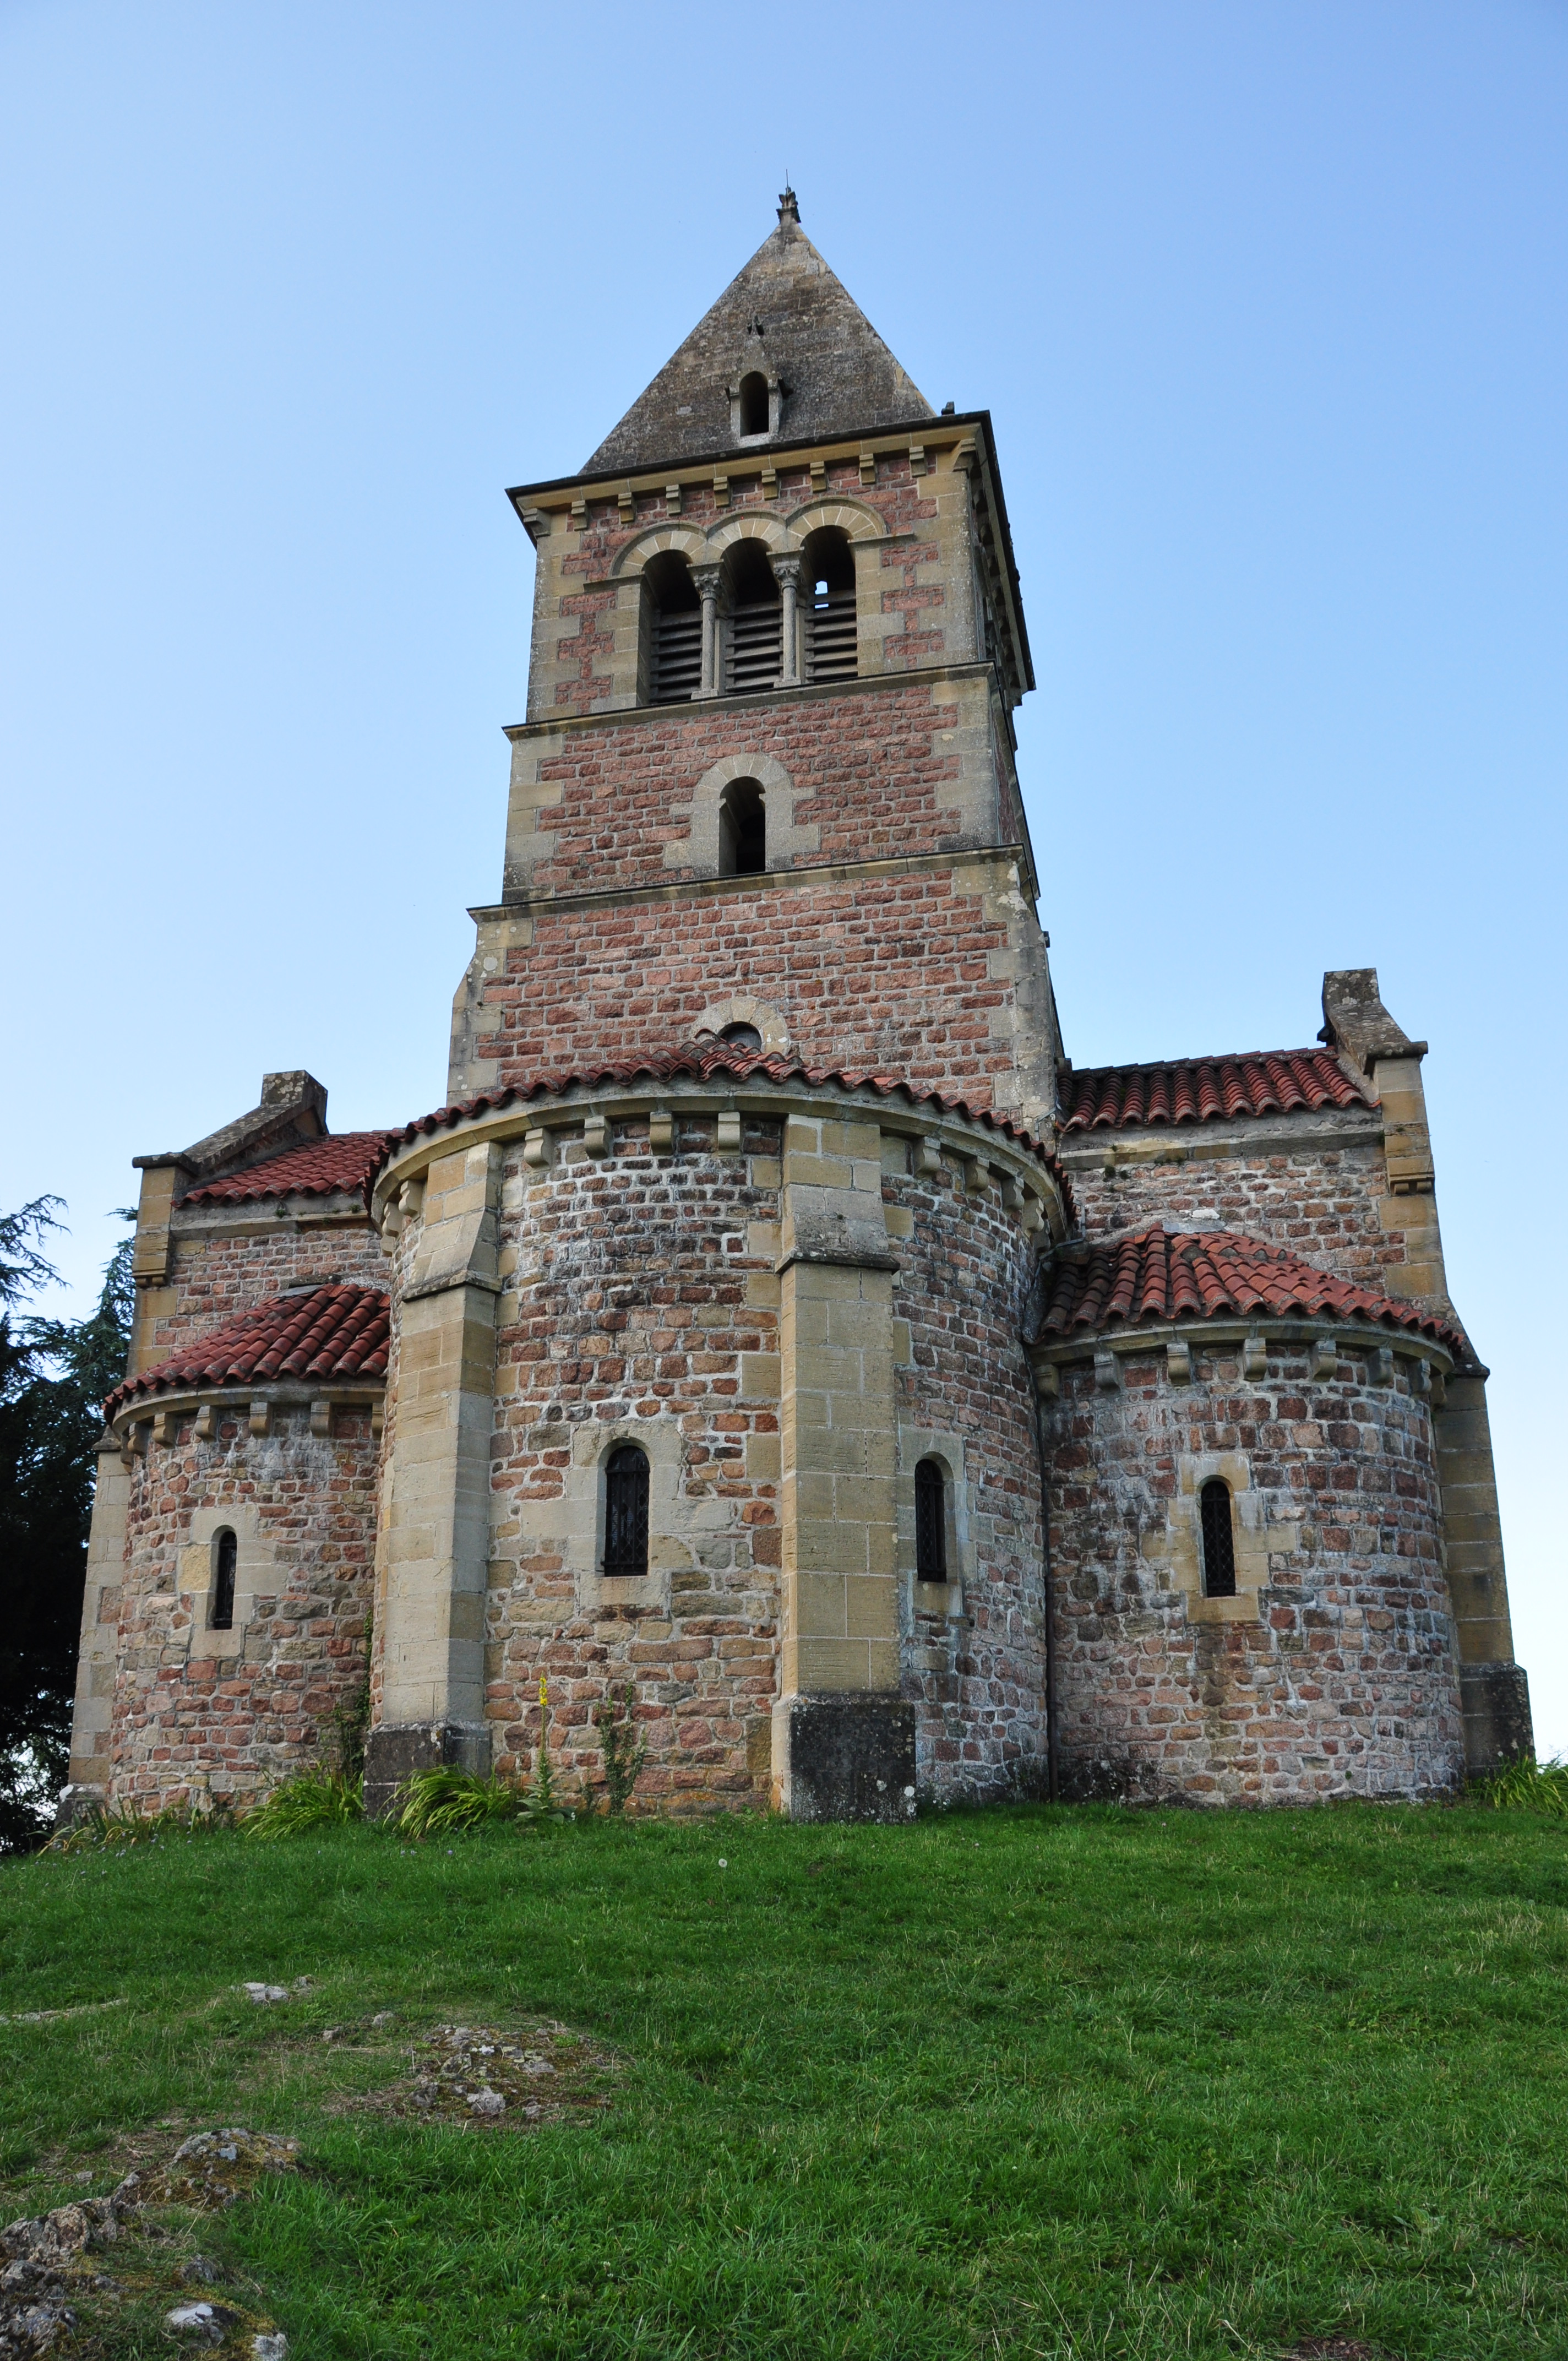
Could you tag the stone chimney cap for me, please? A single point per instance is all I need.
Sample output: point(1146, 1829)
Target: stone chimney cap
point(1357, 1024)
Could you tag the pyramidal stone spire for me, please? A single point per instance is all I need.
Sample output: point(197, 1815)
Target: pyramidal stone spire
point(784, 319)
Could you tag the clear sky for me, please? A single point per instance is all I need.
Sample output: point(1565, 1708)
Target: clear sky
point(1267, 302)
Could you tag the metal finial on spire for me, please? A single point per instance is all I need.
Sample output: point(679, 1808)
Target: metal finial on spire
point(789, 206)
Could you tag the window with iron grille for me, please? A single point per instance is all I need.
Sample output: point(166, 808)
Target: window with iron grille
point(829, 604)
point(675, 623)
point(225, 1560)
point(626, 1511)
point(1218, 1548)
point(930, 1521)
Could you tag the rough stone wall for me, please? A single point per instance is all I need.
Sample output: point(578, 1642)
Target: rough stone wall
point(974, 1663)
point(1338, 1675)
point(221, 1264)
point(1328, 1202)
point(873, 775)
point(642, 1298)
point(920, 976)
point(198, 1713)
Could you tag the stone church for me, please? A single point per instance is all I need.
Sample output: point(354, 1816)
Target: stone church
point(773, 1324)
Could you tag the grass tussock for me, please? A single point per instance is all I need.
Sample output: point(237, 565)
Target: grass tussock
point(1528, 1785)
point(1038, 2082)
point(313, 1799)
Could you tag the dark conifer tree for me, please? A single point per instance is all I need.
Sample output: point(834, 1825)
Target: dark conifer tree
point(54, 1375)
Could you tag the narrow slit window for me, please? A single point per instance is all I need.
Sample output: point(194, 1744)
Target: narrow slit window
point(626, 1511)
point(1219, 1549)
point(743, 830)
point(225, 1561)
point(930, 1522)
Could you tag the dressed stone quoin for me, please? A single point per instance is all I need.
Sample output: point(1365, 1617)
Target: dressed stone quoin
point(773, 1322)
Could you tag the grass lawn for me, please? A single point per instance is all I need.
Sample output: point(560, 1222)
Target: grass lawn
point(1063, 2082)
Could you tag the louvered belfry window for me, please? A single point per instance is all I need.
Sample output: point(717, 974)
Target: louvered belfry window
point(1218, 1548)
point(930, 1522)
point(753, 653)
point(221, 1617)
point(829, 599)
point(626, 1511)
point(674, 666)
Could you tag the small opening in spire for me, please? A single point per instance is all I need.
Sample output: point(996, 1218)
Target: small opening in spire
point(753, 404)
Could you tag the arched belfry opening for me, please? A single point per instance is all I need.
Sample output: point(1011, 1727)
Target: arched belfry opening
point(673, 630)
point(743, 830)
point(828, 594)
point(752, 655)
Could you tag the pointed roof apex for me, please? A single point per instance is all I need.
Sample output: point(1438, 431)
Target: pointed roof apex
point(788, 321)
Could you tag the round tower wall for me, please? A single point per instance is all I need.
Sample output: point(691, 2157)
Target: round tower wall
point(973, 1658)
point(641, 1305)
point(204, 1716)
point(1332, 1671)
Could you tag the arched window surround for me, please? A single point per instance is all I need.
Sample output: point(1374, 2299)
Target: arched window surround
point(943, 1453)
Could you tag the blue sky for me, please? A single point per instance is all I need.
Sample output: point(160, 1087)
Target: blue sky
point(1267, 302)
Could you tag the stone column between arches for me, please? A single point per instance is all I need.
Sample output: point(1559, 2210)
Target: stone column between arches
point(434, 1542)
point(843, 1737)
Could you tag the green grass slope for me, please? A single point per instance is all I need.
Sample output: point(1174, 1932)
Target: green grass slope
point(1035, 2083)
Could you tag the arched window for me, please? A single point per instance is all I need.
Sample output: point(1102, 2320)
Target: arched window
point(756, 620)
point(741, 1036)
point(930, 1521)
point(226, 1559)
point(1218, 1550)
point(753, 404)
point(742, 829)
point(626, 1511)
point(673, 619)
point(828, 593)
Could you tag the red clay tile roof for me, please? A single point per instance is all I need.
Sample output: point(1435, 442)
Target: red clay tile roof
point(328, 1332)
point(1206, 1090)
point(1163, 1275)
point(704, 1060)
point(344, 1160)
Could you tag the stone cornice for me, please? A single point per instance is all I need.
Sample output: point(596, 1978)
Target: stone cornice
point(684, 889)
point(969, 1142)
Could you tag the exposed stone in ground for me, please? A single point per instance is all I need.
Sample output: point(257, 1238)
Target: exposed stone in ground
point(46, 2260)
point(486, 2075)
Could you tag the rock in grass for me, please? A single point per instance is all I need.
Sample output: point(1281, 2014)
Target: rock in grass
point(269, 2348)
point(486, 2103)
point(208, 2324)
point(262, 1993)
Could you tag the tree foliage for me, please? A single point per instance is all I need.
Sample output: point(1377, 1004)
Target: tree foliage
point(54, 1375)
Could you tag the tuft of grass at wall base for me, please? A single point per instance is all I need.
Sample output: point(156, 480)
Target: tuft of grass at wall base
point(1034, 2083)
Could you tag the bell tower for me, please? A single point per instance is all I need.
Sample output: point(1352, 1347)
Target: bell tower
point(766, 787)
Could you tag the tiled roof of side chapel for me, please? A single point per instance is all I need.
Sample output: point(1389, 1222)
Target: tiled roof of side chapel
point(786, 314)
